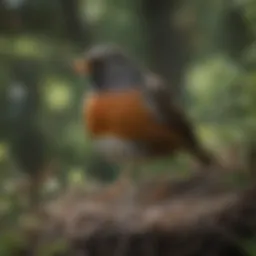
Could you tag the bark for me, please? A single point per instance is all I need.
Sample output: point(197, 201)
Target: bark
point(76, 31)
point(167, 47)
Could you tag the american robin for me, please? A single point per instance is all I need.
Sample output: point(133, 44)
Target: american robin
point(130, 112)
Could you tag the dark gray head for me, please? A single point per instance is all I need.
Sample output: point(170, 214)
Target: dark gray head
point(110, 69)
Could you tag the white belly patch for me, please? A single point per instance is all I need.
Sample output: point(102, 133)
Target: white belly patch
point(115, 149)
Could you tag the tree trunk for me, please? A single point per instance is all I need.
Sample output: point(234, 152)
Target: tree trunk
point(75, 29)
point(167, 48)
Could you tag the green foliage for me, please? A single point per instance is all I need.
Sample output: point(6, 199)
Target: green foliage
point(11, 242)
point(53, 248)
point(221, 89)
point(250, 247)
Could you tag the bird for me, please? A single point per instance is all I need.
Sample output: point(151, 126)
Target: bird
point(131, 114)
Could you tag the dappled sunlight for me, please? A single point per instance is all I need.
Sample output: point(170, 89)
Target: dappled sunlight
point(94, 10)
point(4, 152)
point(77, 176)
point(58, 95)
point(56, 187)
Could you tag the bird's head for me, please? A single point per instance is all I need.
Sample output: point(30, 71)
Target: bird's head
point(109, 68)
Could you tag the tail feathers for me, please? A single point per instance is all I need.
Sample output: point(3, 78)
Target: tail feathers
point(205, 158)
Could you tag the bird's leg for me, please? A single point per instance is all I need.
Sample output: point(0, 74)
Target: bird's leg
point(141, 171)
point(126, 176)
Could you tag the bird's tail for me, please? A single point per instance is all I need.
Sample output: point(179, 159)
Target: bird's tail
point(205, 158)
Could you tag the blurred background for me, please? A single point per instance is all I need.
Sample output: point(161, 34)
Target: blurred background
point(206, 50)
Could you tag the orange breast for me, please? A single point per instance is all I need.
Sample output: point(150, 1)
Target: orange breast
point(125, 115)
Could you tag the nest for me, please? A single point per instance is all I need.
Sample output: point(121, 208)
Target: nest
point(200, 215)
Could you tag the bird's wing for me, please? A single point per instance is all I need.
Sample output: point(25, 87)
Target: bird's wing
point(167, 110)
